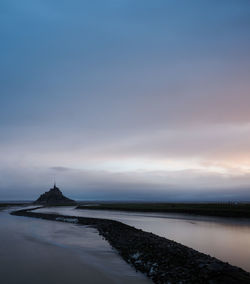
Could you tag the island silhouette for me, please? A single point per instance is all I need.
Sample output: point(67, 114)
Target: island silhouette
point(54, 197)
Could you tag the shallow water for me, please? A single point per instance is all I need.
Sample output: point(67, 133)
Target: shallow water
point(41, 251)
point(227, 239)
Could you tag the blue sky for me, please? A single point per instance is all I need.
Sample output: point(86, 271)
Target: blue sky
point(123, 99)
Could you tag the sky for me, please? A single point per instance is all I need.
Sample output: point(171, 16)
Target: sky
point(125, 99)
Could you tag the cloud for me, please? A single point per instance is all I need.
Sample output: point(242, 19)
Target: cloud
point(60, 169)
point(125, 98)
point(27, 183)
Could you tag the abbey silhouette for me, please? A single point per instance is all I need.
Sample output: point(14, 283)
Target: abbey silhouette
point(54, 197)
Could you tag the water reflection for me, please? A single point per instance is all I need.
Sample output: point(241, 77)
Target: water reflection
point(225, 238)
point(42, 251)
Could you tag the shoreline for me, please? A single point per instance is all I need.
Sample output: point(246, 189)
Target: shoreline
point(226, 210)
point(162, 260)
point(202, 209)
point(39, 251)
point(5, 205)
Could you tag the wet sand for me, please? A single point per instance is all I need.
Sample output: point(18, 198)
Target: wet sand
point(38, 251)
point(159, 258)
point(224, 238)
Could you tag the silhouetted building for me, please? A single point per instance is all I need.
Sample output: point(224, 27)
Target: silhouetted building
point(54, 197)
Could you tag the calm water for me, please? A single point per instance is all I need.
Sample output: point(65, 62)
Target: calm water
point(39, 251)
point(226, 239)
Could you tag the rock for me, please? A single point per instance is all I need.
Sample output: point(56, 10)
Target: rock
point(214, 266)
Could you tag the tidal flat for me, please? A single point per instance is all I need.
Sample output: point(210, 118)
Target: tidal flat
point(38, 251)
point(222, 237)
point(162, 260)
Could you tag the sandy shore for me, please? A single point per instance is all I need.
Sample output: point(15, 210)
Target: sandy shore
point(34, 251)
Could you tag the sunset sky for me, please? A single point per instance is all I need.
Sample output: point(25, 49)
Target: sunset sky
point(125, 99)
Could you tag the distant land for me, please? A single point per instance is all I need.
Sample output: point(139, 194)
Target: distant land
point(241, 210)
point(54, 197)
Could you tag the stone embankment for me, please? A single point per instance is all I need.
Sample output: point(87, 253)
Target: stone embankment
point(162, 260)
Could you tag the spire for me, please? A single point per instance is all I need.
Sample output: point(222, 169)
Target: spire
point(54, 182)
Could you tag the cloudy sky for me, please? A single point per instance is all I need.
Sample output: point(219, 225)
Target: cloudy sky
point(125, 99)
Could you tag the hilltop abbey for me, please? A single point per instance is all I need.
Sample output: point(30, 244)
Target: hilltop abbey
point(54, 197)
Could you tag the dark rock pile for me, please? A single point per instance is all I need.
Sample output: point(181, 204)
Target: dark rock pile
point(162, 260)
point(54, 197)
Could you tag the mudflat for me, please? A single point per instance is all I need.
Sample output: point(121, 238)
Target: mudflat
point(161, 259)
point(38, 251)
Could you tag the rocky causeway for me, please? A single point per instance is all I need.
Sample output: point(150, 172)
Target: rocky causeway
point(162, 260)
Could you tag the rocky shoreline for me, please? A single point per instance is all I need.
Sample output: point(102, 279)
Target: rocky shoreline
point(162, 260)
